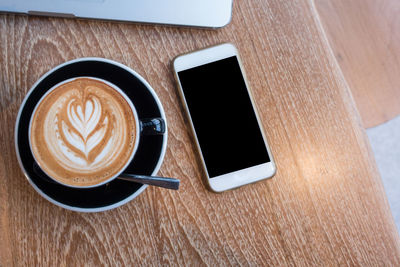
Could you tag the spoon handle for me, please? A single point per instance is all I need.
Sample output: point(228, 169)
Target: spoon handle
point(165, 182)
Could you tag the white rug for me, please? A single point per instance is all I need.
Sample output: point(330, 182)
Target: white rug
point(385, 142)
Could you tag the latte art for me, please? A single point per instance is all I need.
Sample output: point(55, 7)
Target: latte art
point(83, 132)
point(83, 129)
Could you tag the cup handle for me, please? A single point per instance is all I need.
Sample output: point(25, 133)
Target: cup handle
point(152, 126)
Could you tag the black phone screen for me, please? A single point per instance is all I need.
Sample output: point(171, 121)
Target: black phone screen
point(223, 117)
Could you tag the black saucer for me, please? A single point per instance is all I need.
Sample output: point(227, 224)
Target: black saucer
point(148, 157)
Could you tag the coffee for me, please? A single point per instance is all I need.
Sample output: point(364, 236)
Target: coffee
point(83, 132)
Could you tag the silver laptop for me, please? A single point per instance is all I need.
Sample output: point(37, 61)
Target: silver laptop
point(203, 13)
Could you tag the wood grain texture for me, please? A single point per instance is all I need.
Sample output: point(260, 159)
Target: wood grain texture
point(325, 207)
point(365, 37)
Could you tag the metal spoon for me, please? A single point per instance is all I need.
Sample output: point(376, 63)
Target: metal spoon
point(164, 182)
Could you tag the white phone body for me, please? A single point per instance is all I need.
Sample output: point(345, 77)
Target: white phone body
point(189, 65)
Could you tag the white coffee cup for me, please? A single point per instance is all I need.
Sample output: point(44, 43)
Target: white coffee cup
point(138, 128)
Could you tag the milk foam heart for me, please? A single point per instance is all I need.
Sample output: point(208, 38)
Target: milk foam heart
point(83, 132)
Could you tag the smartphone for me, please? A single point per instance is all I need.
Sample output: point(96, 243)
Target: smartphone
point(226, 126)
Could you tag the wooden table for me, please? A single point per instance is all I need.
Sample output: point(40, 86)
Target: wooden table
point(326, 206)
